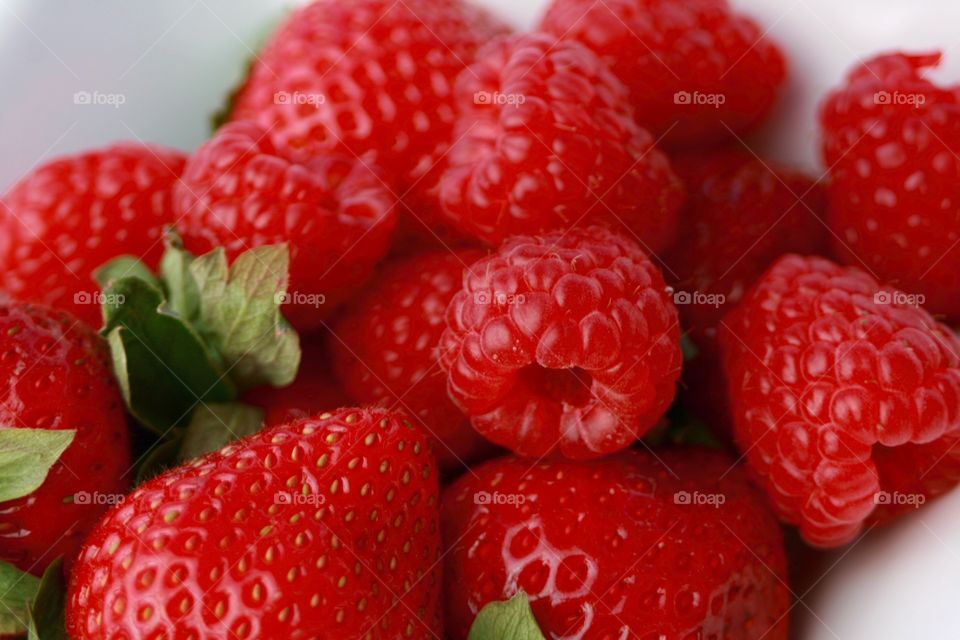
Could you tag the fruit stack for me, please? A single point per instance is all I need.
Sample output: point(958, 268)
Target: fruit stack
point(452, 332)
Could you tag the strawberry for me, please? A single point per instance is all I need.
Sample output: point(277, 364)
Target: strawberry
point(676, 544)
point(71, 215)
point(324, 527)
point(64, 451)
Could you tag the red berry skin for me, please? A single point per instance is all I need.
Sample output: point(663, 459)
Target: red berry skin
point(56, 375)
point(563, 344)
point(697, 71)
point(68, 217)
point(240, 191)
point(889, 136)
point(634, 545)
point(323, 528)
point(314, 390)
point(371, 79)
point(741, 214)
point(563, 150)
point(384, 349)
point(842, 393)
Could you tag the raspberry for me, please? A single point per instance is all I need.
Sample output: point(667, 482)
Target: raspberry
point(839, 389)
point(368, 78)
point(696, 69)
point(545, 139)
point(240, 191)
point(70, 216)
point(383, 348)
point(889, 136)
point(741, 214)
point(563, 343)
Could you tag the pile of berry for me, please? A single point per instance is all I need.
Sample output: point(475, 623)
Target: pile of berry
point(449, 332)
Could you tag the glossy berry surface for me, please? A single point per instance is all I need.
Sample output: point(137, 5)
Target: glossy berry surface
point(545, 139)
point(672, 545)
point(68, 217)
point(697, 70)
point(565, 343)
point(890, 137)
point(56, 375)
point(367, 78)
point(845, 396)
point(239, 191)
point(322, 528)
point(384, 349)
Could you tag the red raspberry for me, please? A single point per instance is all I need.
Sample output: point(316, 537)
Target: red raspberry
point(240, 191)
point(741, 214)
point(70, 216)
point(384, 349)
point(889, 138)
point(696, 69)
point(563, 343)
point(839, 388)
point(544, 140)
point(370, 78)
point(676, 544)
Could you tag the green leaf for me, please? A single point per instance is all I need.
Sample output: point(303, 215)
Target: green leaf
point(161, 456)
point(46, 615)
point(689, 348)
point(123, 267)
point(26, 456)
point(512, 619)
point(240, 315)
point(183, 297)
point(216, 425)
point(162, 365)
point(17, 591)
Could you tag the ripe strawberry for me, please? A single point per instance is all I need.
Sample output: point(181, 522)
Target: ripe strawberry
point(676, 544)
point(314, 391)
point(369, 78)
point(889, 138)
point(384, 348)
point(56, 375)
point(845, 396)
point(742, 213)
point(240, 191)
point(71, 215)
point(322, 528)
point(563, 343)
point(545, 139)
point(696, 69)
